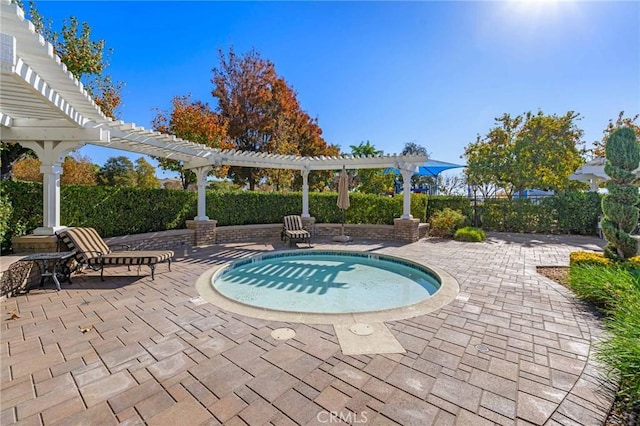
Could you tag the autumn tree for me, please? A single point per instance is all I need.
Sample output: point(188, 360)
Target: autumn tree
point(118, 171)
point(527, 151)
point(371, 181)
point(28, 169)
point(264, 115)
point(146, 174)
point(75, 171)
point(84, 58)
point(78, 171)
point(196, 122)
point(598, 149)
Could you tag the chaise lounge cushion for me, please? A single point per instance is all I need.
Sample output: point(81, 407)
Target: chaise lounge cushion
point(90, 249)
point(294, 231)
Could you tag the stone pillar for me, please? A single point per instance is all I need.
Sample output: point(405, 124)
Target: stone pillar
point(406, 229)
point(29, 244)
point(305, 194)
point(309, 223)
point(406, 194)
point(205, 231)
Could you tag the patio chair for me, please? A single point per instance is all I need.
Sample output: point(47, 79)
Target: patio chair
point(293, 230)
point(91, 250)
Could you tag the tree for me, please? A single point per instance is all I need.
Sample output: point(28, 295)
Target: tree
point(84, 58)
point(371, 181)
point(264, 115)
point(619, 206)
point(598, 149)
point(417, 180)
point(146, 174)
point(75, 171)
point(196, 122)
point(452, 184)
point(27, 168)
point(527, 151)
point(78, 171)
point(118, 171)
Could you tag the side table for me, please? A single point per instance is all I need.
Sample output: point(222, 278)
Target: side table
point(51, 265)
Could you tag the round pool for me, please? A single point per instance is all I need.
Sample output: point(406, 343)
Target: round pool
point(326, 282)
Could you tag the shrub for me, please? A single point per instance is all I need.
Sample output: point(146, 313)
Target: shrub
point(436, 203)
point(616, 291)
point(589, 258)
point(619, 205)
point(445, 222)
point(470, 234)
point(5, 215)
point(601, 285)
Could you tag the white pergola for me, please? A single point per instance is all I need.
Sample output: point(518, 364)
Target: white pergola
point(45, 108)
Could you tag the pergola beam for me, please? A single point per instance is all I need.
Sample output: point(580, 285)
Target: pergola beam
point(44, 107)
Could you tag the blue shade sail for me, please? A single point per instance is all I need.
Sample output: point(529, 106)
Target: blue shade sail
point(430, 168)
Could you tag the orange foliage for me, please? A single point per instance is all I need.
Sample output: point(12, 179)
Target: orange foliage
point(27, 169)
point(193, 121)
point(264, 115)
point(78, 171)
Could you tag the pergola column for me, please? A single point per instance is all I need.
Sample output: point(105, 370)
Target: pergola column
point(305, 193)
point(51, 155)
point(201, 176)
point(406, 193)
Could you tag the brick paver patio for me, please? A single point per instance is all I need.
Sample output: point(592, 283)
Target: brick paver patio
point(154, 354)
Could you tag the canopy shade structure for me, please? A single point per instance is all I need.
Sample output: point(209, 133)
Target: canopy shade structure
point(430, 168)
point(593, 173)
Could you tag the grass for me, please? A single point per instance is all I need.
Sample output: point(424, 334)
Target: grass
point(615, 290)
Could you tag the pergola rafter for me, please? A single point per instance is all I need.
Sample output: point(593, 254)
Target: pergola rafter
point(45, 108)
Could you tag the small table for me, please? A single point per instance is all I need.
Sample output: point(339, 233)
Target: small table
point(56, 261)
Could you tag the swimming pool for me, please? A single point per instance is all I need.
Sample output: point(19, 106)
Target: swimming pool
point(327, 282)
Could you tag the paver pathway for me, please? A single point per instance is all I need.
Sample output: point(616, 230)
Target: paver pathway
point(513, 348)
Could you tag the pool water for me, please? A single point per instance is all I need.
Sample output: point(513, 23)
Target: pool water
point(326, 282)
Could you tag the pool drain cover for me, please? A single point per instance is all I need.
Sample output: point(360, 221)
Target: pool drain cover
point(283, 333)
point(482, 348)
point(361, 329)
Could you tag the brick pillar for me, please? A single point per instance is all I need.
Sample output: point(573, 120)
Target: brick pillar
point(205, 231)
point(308, 223)
point(406, 229)
point(29, 244)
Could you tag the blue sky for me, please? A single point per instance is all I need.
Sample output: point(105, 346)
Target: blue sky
point(434, 73)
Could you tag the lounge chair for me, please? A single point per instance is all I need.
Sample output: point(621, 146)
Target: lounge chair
point(91, 250)
point(293, 230)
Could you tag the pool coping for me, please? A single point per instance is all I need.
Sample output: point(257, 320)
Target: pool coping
point(449, 289)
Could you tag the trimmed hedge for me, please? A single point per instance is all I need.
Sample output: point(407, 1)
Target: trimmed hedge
point(564, 213)
point(115, 211)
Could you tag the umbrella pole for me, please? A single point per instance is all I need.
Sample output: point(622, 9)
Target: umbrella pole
point(342, 229)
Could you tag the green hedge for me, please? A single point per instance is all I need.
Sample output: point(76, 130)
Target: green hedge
point(565, 213)
point(117, 211)
point(454, 202)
